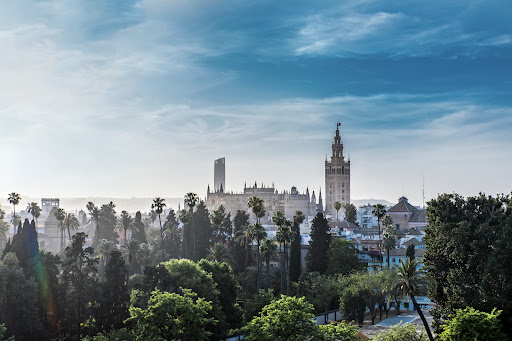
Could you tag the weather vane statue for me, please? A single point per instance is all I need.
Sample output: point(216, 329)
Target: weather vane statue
point(338, 124)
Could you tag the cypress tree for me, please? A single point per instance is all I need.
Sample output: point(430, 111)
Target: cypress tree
point(139, 232)
point(295, 250)
point(317, 259)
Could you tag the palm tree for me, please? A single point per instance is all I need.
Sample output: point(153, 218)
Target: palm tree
point(173, 233)
point(258, 234)
point(295, 248)
point(71, 223)
point(60, 215)
point(104, 248)
point(132, 251)
point(158, 205)
point(185, 218)
point(284, 235)
point(410, 279)
point(14, 198)
point(95, 214)
point(125, 222)
point(337, 206)
point(34, 209)
point(217, 218)
point(379, 211)
point(218, 253)
point(388, 239)
point(257, 207)
point(245, 238)
point(191, 199)
point(268, 251)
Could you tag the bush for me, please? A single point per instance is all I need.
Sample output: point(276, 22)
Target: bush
point(401, 332)
point(339, 332)
point(471, 324)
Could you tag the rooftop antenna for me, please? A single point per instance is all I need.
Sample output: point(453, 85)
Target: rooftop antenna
point(423, 190)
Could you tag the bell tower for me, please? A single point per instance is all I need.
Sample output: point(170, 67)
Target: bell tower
point(337, 175)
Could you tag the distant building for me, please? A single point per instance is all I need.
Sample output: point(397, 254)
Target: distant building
point(406, 216)
point(337, 176)
point(287, 201)
point(47, 204)
point(219, 175)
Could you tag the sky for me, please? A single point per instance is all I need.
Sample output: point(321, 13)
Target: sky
point(138, 98)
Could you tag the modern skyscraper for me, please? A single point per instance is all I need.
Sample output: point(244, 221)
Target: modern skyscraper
point(219, 175)
point(337, 176)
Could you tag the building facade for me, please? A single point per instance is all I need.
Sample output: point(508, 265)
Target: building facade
point(286, 201)
point(337, 176)
point(219, 175)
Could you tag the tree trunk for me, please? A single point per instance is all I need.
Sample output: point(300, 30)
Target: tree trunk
point(124, 237)
point(282, 266)
point(388, 258)
point(161, 237)
point(246, 257)
point(427, 327)
point(268, 271)
point(194, 233)
point(258, 272)
point(287, 270)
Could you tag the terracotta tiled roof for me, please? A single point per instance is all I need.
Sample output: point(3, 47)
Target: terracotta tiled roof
point(402, 206)
point(414, 242)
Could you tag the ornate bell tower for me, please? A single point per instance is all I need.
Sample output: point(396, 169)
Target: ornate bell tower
point(337, 176)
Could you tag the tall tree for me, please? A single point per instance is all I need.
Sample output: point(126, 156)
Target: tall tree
point(296, 248)
point(240, 219)
point(317, 259)
point(343, 258)
point(125, 223)
point(79, 287)
point(379, 211)
point(219, 254)
point(158, 206)
point(191, 199)
point(467, 256)
point(34, 209)
point(60, 215)
point(257, 207)
point(114, 300)
point(337, 206)
point(71, 223)
point(133, 252)
point(389, 240)
point(351, 213)
point(203, 230)
point(14, 198)
point(95, 214)
point(410, 279)
point(139, 232)
point(258, 234)
point(245, 238)
point(18, 301)
point(173, 234)
point(108, 218)
point(284, 236)
point(103, 250)
point(185, 217)
point(268, 251)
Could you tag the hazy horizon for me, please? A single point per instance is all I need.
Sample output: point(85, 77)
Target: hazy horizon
point(138, 98)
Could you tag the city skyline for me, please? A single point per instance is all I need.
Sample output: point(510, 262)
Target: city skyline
point(138, 98)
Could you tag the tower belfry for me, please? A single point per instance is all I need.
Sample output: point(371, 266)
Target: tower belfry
point(337, 175)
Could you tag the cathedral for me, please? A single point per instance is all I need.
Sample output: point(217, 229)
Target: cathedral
point(337, 188)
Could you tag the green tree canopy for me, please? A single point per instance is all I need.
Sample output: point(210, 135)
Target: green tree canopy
point(289, 318)
point(172, 316)
point(471, 324)
point(343, 258)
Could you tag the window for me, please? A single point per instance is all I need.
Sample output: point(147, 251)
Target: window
point(397, 226)
point(393, 259)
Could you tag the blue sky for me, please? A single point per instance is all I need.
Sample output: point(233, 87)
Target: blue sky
point(137, 98)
